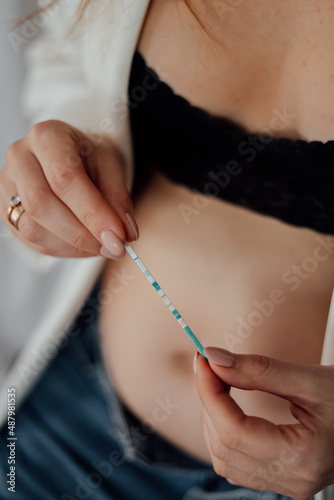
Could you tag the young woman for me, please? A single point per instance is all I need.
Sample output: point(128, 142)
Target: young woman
point(230, 110)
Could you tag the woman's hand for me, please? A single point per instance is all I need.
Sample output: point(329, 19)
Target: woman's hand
point(73, 190)
point(295, 460)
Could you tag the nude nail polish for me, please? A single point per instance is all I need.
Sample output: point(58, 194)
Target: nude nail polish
point(105, 253)
point(133, 225)
point(221, 357)
point(113, 244)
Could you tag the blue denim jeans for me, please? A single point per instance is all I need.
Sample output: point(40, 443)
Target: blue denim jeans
point(77, 441)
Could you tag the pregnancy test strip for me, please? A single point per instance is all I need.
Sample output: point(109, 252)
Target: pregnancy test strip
point(164, 297)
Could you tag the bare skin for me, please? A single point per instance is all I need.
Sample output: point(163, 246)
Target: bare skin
point(225, 258)
point(221, 265)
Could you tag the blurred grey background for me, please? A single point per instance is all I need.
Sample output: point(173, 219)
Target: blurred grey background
point(12, 45)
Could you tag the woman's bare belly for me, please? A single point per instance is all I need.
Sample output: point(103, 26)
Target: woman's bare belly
point(242, 281)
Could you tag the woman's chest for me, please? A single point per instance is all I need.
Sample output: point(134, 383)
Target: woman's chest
point(249, 62)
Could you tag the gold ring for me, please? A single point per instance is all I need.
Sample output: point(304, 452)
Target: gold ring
point(15, 210)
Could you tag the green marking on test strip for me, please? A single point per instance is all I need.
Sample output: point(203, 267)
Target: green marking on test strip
point(195, 340)
point(156, 286)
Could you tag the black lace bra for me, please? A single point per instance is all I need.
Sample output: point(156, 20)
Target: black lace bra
point(290, 180)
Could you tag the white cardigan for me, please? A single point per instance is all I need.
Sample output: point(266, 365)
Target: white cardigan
point(81, 80)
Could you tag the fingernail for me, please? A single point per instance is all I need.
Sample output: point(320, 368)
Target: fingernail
point(105, 253)
point(113, 244)
point(195, 363)
point(221, 357)
point(133, 225)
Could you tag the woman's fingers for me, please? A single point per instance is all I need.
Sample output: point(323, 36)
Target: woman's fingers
point(303, 385)
point(253, 452)
point(295, 460)
point(65, 172)
point(246, 470)
point(40, 239)
point(111, 183)
point(43, 241)
point(228, 462)
point(251, 471)
point(239, 431)
point(70, 187)
point(45, 210)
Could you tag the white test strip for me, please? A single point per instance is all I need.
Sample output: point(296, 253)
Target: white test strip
point(164, 297)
